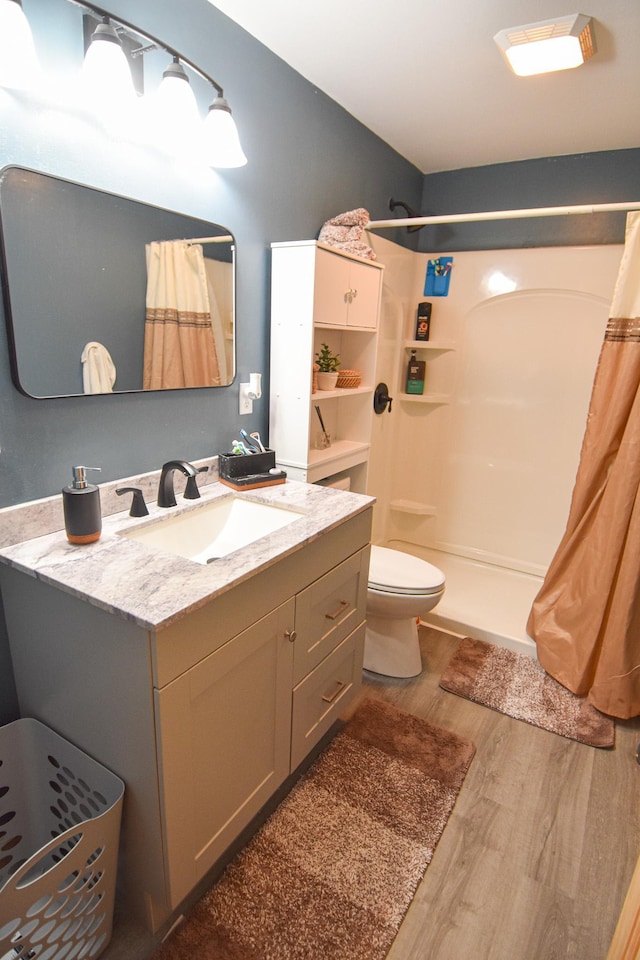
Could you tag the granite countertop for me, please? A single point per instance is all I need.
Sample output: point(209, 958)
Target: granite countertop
point(154, 588)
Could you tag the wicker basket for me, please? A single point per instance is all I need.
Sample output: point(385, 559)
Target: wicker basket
point(349, 378)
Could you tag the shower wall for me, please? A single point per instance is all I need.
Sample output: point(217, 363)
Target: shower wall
point(476, 476)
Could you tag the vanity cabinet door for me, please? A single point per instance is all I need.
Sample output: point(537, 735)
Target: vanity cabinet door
point(224, 730)
point(346, 292)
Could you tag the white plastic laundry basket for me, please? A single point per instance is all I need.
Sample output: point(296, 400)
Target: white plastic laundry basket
point(59, 831)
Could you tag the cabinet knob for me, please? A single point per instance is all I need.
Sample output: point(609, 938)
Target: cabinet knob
point(291, 635)
point(350, 295)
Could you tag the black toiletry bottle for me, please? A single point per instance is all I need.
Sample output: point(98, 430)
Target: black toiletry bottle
point(81, 504)
point(415, 375)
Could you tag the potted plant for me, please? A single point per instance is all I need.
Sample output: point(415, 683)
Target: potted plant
point(328, 364)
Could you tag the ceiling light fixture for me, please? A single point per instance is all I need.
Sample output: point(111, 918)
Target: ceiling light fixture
point(549, 45)
point(18, 61)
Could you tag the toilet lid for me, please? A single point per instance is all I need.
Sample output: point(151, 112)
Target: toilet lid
point(395, 572)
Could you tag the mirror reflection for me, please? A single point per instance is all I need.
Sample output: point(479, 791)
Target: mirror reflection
point(104, 294)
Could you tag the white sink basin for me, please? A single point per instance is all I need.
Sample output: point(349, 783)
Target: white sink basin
point(214, 530)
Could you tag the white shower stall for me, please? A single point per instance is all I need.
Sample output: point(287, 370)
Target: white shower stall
point(476, 475)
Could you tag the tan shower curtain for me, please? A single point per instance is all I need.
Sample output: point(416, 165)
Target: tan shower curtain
point(179, 346)
point(586, 617)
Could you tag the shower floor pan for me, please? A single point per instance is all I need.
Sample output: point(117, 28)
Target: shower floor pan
point(481, 600)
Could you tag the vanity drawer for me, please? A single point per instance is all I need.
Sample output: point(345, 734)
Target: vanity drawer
point(322, 696)
point(328, 610)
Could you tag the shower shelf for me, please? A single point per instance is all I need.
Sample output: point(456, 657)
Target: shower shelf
point(416, 509)
point(429, 345)
point(433, 398)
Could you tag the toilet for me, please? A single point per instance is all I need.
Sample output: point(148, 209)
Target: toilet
point(401, 589)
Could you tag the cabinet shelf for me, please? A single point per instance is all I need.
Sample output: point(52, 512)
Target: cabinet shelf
point(339, 450)
point(428, 398)
point(341, 392)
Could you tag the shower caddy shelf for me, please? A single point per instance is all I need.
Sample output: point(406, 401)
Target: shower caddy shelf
point(429, 398)
point(414, 508)
point(434, 346)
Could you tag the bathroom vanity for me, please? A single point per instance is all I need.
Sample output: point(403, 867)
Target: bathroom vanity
point(203, 686)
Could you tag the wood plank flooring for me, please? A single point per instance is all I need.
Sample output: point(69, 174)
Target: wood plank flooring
point(536, 858)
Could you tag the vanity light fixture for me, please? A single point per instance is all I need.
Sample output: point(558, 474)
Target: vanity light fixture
point(18, 60)
point(220, 134)
point(548, 45)
point(109, 82)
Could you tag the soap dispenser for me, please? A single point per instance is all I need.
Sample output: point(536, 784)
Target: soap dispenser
point(81, 504)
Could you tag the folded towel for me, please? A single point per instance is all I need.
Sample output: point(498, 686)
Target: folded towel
point(98, 370)
point(346, 232)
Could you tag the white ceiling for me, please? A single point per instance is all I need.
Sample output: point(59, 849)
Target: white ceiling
point(428, 78)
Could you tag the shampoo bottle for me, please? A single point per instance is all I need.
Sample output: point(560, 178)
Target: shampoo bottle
point(81, 504)
point(415, 375)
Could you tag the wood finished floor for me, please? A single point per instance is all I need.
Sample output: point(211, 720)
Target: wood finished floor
point(536, 858)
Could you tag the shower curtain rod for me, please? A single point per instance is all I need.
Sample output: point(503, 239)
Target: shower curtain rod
point(227, 238)
point(504, 215)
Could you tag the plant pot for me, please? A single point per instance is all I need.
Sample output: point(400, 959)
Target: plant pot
point(327, 381)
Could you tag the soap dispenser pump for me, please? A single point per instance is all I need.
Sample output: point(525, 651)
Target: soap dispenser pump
point(81, 505)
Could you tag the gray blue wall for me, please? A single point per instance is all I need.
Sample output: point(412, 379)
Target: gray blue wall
point(587, 178)
point(308, 160)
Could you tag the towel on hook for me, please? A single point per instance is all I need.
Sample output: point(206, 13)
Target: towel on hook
point(98, 370)
point(346, 232)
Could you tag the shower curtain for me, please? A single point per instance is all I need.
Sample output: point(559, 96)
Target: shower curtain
point(179, 346)
point(586, 618)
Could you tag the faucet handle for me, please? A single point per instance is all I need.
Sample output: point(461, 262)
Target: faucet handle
point(138, 506)
point(191, 491)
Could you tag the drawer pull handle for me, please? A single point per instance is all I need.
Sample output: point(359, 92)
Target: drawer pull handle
point(291, 635)
point(336, 613)
point(339, 689)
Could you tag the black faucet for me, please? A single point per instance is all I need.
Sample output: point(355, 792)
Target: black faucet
point(166, 494)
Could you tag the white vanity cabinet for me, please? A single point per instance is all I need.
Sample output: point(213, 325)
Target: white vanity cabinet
point(321, 295)
point(204, 718)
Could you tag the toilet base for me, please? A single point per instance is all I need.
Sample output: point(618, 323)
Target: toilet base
point(392, 648)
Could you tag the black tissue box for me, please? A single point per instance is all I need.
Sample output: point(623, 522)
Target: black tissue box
point(243, 471)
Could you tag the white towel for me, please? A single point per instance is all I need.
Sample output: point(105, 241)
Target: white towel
point(98, 370)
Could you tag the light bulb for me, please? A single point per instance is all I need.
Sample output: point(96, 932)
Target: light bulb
point(18, 60)
point(107, 80)
point(222, 143)
point(177, 115)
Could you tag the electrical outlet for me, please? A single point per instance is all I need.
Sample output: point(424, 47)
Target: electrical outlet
point(245, 403)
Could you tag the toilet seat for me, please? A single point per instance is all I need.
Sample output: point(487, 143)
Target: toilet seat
point(394, 572)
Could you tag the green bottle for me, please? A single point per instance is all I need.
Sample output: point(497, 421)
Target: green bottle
point(415, 375)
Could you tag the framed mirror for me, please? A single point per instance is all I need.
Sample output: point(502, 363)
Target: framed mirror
point(77, 276)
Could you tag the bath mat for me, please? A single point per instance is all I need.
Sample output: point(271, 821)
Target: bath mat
point(332, 872)
point(516, 685)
